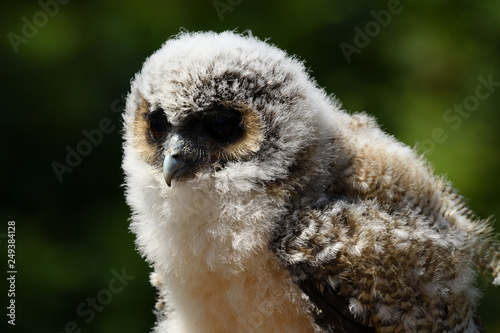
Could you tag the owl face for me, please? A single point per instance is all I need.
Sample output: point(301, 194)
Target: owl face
point(203, 142)
point(212, 104)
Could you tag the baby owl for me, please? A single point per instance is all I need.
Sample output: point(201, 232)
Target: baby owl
point(264, 207)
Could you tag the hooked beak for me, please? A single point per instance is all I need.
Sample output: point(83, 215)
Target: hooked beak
point(174, 163)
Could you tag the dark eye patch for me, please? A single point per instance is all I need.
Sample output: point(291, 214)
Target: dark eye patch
point(158, 124)
point(222, 124)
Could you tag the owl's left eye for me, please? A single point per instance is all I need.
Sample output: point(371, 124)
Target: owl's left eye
point(158, 124)
point(223, 125)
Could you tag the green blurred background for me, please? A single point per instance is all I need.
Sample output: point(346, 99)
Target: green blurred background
point(71, 69)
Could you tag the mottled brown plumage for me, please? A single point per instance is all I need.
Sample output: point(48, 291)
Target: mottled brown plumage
point(389, 246)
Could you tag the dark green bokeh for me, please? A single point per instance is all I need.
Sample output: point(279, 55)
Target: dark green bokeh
point(75, 68)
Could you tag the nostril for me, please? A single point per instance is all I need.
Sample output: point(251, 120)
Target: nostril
point(176, 155)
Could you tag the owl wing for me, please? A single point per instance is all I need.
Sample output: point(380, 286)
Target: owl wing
point(366, 269)
point(332, 310)
point(301, 244)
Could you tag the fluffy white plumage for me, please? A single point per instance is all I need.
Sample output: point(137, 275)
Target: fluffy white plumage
point(303, 218)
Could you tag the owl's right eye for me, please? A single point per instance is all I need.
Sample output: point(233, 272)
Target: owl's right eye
point(158, 124)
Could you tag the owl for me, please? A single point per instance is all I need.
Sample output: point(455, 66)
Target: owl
point(262, 206)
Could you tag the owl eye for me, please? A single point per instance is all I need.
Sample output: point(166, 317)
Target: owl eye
point(223, 125)
point(158, 124)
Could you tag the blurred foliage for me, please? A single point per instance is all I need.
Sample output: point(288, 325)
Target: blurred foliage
point(76, 66)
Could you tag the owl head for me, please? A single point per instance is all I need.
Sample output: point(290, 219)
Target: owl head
point(227, 109)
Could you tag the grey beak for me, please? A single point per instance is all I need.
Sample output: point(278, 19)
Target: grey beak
point(173, 162)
